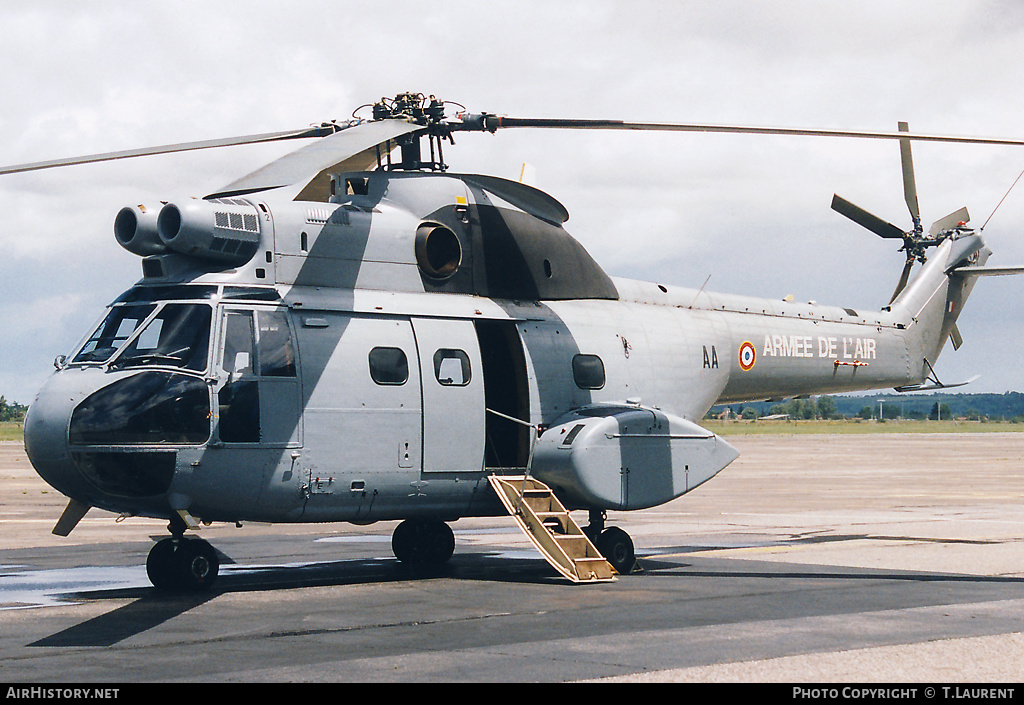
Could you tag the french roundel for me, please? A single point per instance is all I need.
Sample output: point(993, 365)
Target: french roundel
point(748, 356)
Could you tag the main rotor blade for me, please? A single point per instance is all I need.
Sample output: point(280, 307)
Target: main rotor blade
point(331, 153)
point(317, 131)
point(909, 183)
point(488, 122)
point(862, 217)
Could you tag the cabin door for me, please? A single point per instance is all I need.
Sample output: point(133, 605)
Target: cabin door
point(453, 395)
point(507, 395)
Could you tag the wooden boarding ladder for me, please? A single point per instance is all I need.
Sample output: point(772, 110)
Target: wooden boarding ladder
point(552, 530)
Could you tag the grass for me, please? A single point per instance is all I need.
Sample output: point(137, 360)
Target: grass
point(727, 428)
point(10, 431)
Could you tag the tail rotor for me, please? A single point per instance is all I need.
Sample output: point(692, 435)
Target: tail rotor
point(915, 241)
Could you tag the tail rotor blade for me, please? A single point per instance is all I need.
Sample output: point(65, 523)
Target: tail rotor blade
point(950, 221)
point(862, 217)
point(904, 277)
point(909, 182)
point(956, 338)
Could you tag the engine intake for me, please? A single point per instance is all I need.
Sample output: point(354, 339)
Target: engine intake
point(135, 230)
point(225, 230)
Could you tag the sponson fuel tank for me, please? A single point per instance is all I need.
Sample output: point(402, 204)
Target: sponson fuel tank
point(611, 456)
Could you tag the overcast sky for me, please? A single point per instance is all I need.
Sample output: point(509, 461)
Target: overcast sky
point(752, 213)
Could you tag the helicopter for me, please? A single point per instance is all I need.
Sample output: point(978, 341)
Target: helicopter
point(348, 334)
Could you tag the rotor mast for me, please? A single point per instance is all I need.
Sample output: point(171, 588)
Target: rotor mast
point(428, 112)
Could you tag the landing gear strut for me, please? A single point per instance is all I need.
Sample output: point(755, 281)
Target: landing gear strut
point(423, 543)
point(177, 563)
point(613, 543)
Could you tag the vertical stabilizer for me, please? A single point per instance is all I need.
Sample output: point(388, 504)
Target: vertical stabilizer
point(932, 301)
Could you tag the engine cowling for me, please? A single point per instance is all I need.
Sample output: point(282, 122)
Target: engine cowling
point(610, 456)
point(225, 230)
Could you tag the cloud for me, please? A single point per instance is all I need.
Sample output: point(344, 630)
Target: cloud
point(751, 212)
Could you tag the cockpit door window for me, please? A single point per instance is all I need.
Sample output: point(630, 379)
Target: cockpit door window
point(239, 398)
point(277, 351)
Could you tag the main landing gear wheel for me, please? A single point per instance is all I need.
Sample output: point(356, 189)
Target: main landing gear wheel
point(614, 544)
point(617, 548)
point(178, 563)
point(423, 543)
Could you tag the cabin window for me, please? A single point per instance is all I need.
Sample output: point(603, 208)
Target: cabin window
point(588, 371)
point(451, 367)
point(389, 366)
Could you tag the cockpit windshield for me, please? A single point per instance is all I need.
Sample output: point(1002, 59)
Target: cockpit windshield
point(176, 335)
point(119, 325)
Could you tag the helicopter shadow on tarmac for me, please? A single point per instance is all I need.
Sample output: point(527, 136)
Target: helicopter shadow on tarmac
point(151, 607)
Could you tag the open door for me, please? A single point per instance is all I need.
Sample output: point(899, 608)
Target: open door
point(506, 392)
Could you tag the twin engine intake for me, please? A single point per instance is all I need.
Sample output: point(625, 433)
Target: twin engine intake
point(224, 231)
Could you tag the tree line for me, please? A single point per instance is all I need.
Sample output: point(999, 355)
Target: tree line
point(11, 410)
point(1008, 406)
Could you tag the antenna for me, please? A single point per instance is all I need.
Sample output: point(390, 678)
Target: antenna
point(1001, 200)
point(699, 291)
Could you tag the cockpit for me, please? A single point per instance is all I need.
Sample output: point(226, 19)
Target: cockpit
point(170, 367)
point(166, 326)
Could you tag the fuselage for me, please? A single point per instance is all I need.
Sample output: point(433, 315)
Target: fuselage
point(327, 378)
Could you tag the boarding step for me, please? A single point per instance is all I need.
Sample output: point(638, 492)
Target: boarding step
point(548, 524)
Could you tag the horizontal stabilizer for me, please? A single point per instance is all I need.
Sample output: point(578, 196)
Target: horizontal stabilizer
point(986, 271)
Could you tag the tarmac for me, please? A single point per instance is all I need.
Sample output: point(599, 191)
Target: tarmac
point(861, 558)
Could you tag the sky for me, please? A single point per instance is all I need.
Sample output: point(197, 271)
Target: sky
point(735, 213)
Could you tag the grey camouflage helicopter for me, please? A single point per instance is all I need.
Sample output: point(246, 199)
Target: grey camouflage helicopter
point(344, 336)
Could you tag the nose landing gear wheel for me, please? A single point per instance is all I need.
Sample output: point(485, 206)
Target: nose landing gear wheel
point(182, 564)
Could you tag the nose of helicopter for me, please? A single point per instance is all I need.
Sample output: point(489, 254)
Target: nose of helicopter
point(111, 439)
point(46, 430)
